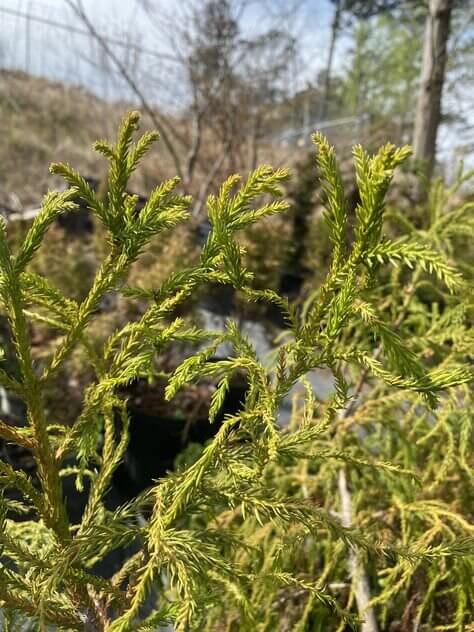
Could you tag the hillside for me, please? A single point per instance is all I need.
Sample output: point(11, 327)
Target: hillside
point(43, 121)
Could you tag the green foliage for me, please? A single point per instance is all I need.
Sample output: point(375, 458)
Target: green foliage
point(247, 536)
point(382, 75)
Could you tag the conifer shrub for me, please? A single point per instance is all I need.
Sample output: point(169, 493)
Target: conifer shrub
point(269, 527)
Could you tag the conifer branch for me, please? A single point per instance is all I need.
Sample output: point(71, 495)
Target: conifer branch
point(247, 530)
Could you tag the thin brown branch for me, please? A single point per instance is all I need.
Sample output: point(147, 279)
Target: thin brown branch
point(77, 7)
point(208, 181)
point(192, 156)
point(14, 435)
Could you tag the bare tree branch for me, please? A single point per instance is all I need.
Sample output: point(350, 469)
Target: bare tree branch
point(208, 181)
point(78, 8)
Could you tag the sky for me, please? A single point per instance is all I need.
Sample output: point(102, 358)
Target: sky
point(47, 51)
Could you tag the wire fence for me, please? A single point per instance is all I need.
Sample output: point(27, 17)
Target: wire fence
point(49, 41)
point(342, 131)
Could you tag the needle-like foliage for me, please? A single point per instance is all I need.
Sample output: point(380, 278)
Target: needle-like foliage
point(252, 525)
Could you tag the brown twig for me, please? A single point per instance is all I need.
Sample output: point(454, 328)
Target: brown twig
point(77, 7)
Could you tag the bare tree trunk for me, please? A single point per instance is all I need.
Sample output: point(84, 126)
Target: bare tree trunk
point(336, 23)
point(428, 113)
point(357, 571)
point(253, 142)
point(192, 156)
point(206, 185)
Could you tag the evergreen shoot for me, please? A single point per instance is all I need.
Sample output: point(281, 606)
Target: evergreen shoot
point(270, 527)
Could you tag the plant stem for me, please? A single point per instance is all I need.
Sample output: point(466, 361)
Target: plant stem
point(356, 568)
point(54, 511)
point(111, 270)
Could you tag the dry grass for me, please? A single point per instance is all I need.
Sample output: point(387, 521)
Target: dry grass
point(43, 121)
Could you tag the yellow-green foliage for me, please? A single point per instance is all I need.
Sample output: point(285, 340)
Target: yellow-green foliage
point(409, 465)
point(252, 525)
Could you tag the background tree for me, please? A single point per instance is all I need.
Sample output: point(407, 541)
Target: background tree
point(428, 113)
point(233, 80)
point(227, 83)
point(382, 75)
point(359, 9)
